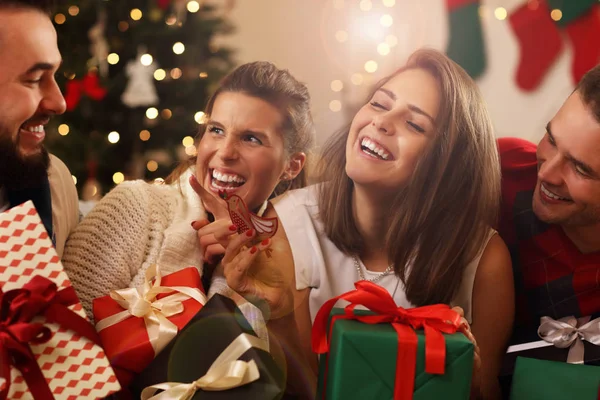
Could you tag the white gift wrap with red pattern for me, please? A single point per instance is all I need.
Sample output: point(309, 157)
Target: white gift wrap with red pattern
point(74, 367)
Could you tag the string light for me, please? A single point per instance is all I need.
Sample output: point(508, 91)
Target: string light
point(500, 13)
point(383, 49)
point(193, 6)
point(335, 105)
point(136, 14)
point(371, 66)
point(337, 85)
point(356, 79)
point(145, 135)
point(118, 177)
point(341, 36)
point(386, 20)
point(74, 179)
point(389, 3)
point(146, 59)
point(112, 58)
point(191, 150)
point(152, 165)
point(160, 74)
point(73, 11)
point(166, 114)
point(176, 73)
point(556, 14)
point(123, 26)
point(178, 48)
point(151, 113)
point(60, 18)
point(200, 117)
point(533, 4)
point(114, 137)
point(63, 129)
point(171, 20)
point(203, 75)
point(188, 141)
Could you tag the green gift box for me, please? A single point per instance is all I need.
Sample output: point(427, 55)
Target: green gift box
point(535, 379)
point(362, 359)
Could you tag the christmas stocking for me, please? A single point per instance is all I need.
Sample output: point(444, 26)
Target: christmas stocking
point(581, 19)
point(466, 45)
point(539, 40)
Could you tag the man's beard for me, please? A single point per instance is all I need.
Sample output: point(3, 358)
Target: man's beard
point(18, 171)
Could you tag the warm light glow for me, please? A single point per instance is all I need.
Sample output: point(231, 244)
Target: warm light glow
point(190, 150)
point(114, 137)
point(371, 66)
point(383, 49)
point(60, 18)
point(337, 85)
point(335, 105)
point(188, 141)
point(365, 5)
point(200, 117)
point(386, 20)
point(171, 20)
point(145, 135)
point(118, 177)
point(151, 113)
point(73, 11)
point(178, 48)
point(63, 129)
point(341, 36)
point(146, 59)
point(533, 4)
point(136, 14)
point(160, 74)
point(357, 79)
point(500, 13)
point(152, 165)
point(176, 73)
point(482, 11)
point(389, 3)
point(123, 26)
point(74, 179)
point(203, 75)
point(556, 14)
point(391, 40)
point(166, 113)
point(113, 58)
point(94, 190)
point(193, 6)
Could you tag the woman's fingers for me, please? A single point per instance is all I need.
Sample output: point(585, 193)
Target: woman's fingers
point(211, 203)
point(213, 253)
point(236, 270)
point(236, 244)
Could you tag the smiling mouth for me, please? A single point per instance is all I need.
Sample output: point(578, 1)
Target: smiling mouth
point(552, 195)
point(374, 150)
point(225, 181)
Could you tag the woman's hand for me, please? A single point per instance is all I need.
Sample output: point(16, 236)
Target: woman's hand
point(465, 328)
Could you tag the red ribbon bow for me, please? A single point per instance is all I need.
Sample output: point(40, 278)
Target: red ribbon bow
point(39, 297)
point(89, 85)
point(434, 319)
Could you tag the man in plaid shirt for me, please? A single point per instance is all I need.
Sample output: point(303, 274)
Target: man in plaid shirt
point(550, 216)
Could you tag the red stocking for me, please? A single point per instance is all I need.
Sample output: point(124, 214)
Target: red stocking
point(584, 33)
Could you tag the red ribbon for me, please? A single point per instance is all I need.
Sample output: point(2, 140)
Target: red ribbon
point(89, 85)
point(434, 319)
point(39, 297)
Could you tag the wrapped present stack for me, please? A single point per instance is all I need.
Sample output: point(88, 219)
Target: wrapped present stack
point(49, 346)
point(390, 352)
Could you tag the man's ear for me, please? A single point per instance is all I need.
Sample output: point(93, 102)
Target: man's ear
point(294, 166)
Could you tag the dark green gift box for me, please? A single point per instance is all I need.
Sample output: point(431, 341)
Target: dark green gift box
point(550, 380)
point(361, 364)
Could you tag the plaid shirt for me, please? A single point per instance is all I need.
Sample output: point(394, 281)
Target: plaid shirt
point(552, 277)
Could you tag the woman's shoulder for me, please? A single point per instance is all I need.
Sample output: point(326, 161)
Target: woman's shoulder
point(306, 196)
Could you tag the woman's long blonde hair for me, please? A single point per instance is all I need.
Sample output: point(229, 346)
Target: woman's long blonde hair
point(439, 222)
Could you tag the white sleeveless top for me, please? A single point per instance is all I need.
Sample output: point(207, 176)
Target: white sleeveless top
point(321, 266)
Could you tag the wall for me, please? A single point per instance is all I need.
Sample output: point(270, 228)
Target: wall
point(299, 35)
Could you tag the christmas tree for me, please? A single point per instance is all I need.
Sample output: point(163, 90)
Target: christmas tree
point(136, 76)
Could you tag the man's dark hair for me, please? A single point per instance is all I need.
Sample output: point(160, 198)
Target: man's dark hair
point(45, 6)
point(589, 90)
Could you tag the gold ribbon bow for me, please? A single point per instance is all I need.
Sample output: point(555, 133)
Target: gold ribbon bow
point(226, 372)
point(142, 303)
point(564, 333)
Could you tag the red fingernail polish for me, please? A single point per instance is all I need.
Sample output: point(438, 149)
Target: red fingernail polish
point(192, 224)
point(253, 250)
point(250, 232)
point(265, 242)
point(233, 228)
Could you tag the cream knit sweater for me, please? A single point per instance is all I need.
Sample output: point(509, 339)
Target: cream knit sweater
point(134, 226)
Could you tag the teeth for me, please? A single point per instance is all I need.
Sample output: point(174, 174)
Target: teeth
point(550, 194)
point(36, 129)
point(226, 178)
point(366, 142)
